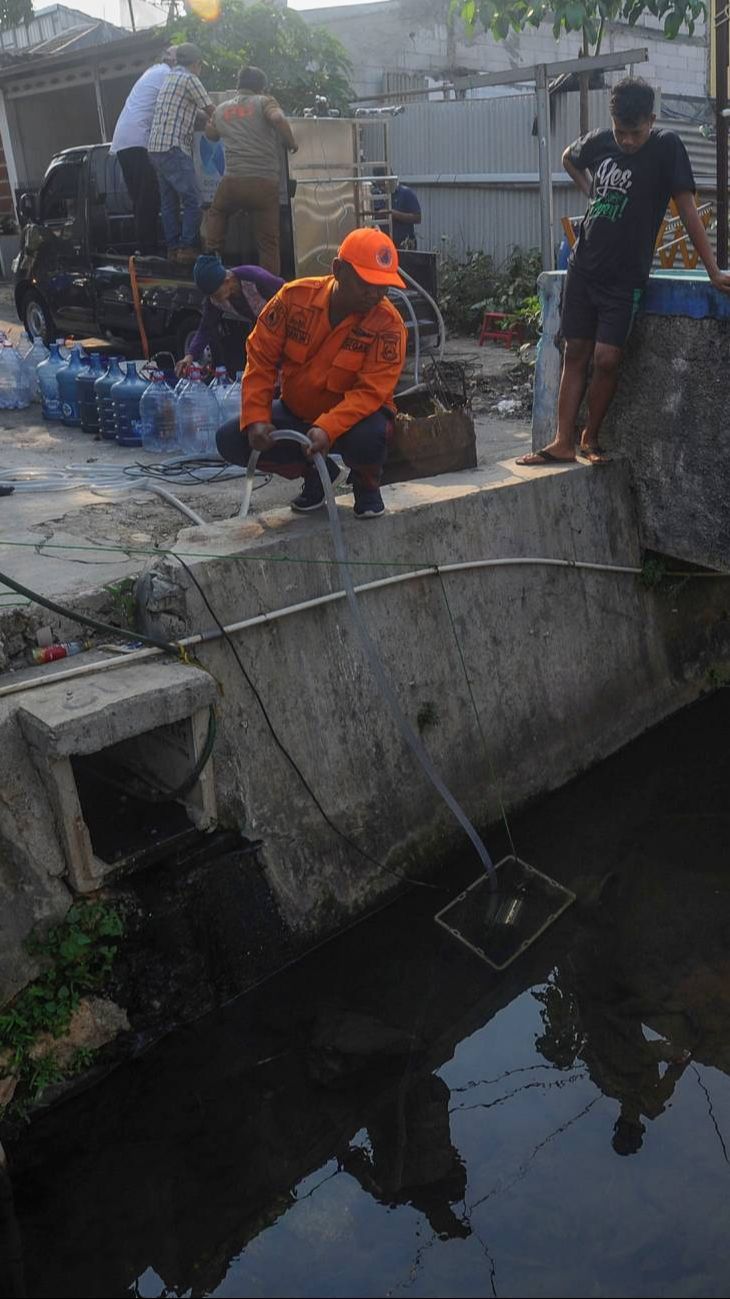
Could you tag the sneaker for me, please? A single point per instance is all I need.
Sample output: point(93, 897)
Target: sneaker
point(311, 496)
point(368, 504)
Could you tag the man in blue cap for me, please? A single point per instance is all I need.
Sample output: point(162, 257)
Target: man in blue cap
point(234, 297)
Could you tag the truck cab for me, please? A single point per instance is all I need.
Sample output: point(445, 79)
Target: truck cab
point(72, 274)
point(72, 271)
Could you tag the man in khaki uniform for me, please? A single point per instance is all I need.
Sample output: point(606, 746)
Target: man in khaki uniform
point(252, 127)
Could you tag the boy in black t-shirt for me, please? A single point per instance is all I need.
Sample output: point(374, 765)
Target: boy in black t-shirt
point(629, 174)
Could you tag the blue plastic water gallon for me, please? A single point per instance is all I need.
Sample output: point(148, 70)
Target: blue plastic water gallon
point(66, 379)
point(126, 396)
point(86, 389)
point(47, 383)
point(198, 417)
point(104, 403)
point(158, 416)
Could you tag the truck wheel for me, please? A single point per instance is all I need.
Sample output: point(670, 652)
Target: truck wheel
point(185, 327)
point(37, 318)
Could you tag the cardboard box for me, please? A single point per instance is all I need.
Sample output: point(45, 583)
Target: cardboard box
point(426, 445)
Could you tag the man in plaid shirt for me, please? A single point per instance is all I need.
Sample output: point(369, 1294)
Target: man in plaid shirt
point(182, 105)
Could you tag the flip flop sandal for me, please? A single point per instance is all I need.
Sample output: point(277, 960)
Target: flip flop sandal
point(547, 459)
point(586, 453)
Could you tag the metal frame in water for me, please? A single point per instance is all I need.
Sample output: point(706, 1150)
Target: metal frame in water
point(505, 912)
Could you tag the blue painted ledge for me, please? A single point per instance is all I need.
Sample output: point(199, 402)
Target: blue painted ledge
point(685, 293)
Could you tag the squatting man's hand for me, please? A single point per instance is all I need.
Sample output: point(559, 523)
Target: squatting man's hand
point(319, 440)
point(259, 436)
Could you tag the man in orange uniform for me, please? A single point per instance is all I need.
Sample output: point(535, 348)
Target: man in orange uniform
point(340, 345)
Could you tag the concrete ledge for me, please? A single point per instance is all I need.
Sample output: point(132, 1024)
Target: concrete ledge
point(94, 712)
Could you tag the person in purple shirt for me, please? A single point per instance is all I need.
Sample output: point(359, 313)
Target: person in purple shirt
point(234, 297)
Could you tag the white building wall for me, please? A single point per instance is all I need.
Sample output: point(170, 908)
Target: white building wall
point(410, 35)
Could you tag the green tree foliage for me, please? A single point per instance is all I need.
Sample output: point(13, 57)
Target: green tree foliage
point(15, 12)
point(588, 16)
point(300, 61)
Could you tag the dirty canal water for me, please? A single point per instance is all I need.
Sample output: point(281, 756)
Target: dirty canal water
point(393, 1118)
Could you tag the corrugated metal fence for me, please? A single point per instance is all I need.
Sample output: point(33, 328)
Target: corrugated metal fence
point(473, 164)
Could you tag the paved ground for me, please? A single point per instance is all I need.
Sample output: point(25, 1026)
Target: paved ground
point(137, 520)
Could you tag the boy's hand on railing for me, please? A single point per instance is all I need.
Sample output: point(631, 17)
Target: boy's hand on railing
point(721, 281)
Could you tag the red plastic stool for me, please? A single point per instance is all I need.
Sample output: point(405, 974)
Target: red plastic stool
point(491, 329)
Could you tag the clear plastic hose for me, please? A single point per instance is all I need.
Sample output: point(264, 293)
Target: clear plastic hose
point(398, 293)
point(435, 308)
point(384, 683)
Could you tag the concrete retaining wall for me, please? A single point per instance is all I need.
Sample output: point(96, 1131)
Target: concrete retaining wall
point(564, 667)
point(671, 419)
point(670, 414)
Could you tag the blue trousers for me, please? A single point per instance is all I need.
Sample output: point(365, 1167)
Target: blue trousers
point(179, 197)
point(363, 447)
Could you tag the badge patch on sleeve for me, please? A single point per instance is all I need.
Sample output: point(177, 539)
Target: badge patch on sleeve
point(390, 348)
point(273, 316)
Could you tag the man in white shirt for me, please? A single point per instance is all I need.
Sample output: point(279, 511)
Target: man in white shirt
point(129, 143)
point(183, 106)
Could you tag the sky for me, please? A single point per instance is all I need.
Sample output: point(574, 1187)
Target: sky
point(323, 4)
point(110, 9)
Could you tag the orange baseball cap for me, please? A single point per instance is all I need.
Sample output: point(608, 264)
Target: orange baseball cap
point(373, 255)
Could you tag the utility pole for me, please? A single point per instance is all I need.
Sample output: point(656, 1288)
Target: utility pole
point(721, 18)
point(545, 167)
point(583, 83)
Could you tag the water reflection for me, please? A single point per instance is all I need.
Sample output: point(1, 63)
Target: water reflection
point(411, 1159)
point(394, 1118)
point(587, 1015)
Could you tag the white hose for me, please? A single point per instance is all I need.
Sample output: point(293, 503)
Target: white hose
point(110, 478)
point(86, 669)
point(248, 487)
point(159, 490)
point(371, 653)
point(434, 305)
point(109, 475)
point(416, 333)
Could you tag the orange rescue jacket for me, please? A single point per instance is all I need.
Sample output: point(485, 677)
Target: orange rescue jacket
point(331, 377)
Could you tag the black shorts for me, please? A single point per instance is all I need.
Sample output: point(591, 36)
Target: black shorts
point(593, 311)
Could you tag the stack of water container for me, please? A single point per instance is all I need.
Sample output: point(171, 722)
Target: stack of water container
point(129, 403)
point(19, 372)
